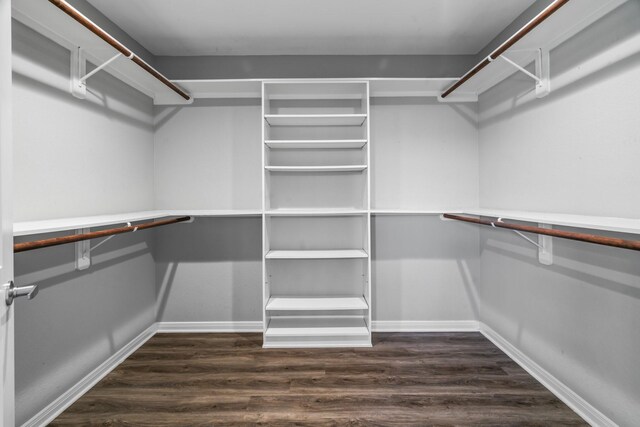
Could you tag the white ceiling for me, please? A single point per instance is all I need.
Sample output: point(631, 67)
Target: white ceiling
point(312, 27)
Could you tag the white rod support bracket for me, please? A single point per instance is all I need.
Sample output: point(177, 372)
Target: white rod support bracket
point(78, 70)
point(543, 70)
point(542, 75)
point(98, 68)
point(545, 247)
point(83, 251)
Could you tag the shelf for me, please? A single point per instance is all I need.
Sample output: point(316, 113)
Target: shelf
point(316, 144)
point(283, 89)
point(620, 225)
point(317, 254)
point(317, 327)
point(378, 87)
point(401, 88)
point(413, 212)
point(315, 119)
point(223, 88)
point(215, 213)
point(26, 228)
point(316, 212)
point(56, 25)
point(318, 304)
point(567, 21)
point(340, 168)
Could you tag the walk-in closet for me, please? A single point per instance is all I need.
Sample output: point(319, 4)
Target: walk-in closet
point(319, 212)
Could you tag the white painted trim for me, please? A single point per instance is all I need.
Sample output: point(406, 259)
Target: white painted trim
point(252, 326)
point(580, 406)
point(55, 408)
point(426, 326)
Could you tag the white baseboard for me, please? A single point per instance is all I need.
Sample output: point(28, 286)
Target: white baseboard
point(210, 326)
point(580, 406)
point(55, 408)
point(425, 326)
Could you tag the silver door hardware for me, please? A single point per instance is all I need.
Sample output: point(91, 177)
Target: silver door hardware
point(30, 291)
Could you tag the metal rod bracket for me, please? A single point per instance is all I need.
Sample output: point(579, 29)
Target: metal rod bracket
point(83, 251)
point(542, 71)
point(78, 70)
point(544, 243)
point(545, 246)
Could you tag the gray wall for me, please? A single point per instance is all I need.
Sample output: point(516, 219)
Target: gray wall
point(211, 270)
point(424, 269)
point(207, 155)
point(575, 151)
point(76, 157)
point(72, 158)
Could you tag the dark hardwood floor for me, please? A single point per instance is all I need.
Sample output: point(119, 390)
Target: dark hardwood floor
point(405, 379)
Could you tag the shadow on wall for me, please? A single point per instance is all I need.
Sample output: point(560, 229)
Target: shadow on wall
point(44, 66)
point(576, 64)
point(424, 269)
point(79, 318)
point(467, 111)
point(565, 290)
point(164, 113)
point(210, 270)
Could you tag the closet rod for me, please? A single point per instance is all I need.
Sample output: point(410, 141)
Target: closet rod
point(55, 241)
point(582, 237)
point(541, 17)
point(88, 24)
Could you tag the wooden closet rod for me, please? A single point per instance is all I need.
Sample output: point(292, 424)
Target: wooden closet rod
point(88, 24)
point(55, 241)
point(582, 237)
point(541, 17)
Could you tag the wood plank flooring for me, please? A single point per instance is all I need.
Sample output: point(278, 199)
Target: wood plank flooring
point(406, 379)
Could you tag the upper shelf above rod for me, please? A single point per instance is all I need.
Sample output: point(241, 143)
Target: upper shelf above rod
point(558, 22)
point(99, 47)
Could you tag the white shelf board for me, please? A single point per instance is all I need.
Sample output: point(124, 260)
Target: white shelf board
point(317, 303)
point(215, 213)
point(223, 88)
point(413, 211)
point(336, 168)
point(25, 228)
point(315, 119)
point(63, 224)
point(56, 25)
point(317, 327)
point(388, 87)
point(567, 21)
point(316, 212)
point(317, 254)
point(316, 144)
point(621, 225)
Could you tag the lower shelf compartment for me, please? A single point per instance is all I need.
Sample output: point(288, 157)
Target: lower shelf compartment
point(317, 331)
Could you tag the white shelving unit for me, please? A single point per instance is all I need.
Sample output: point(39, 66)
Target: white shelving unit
point(316, 222)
